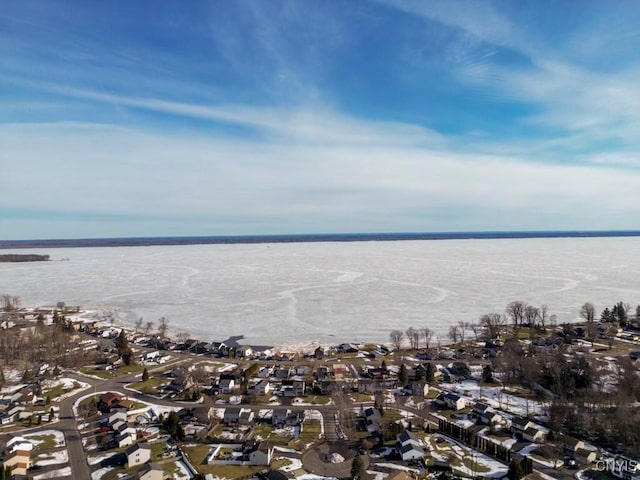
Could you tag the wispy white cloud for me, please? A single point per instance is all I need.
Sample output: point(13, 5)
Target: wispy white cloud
point(233, 185)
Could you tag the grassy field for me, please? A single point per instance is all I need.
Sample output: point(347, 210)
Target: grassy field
point(150, 386)
point(310, 434)
point(91, 370)
point(47, 442)
point(59, 390)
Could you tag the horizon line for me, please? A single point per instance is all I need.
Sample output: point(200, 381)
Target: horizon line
point(308, 237)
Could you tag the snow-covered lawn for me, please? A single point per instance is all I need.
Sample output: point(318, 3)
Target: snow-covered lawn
point(52, 458)
point(43, 436)
point(69, 387)
point(60, 473)
point(183, 472)
point(99, 458)
point(397, 467)
point(496, 397)
point(295, 464)
point(311, 476)
point(491, 468)
point(315, 415)
point(98, 474)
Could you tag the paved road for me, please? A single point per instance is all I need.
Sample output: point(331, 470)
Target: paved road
point(68, 424)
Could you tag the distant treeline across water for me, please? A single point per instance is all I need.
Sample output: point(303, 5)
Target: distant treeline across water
point(299, 238)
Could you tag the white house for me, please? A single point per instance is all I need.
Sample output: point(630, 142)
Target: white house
point(409, 446)
point(263, 387)
point(227, 385)
point(138, 454)
point(125, 440)
point(451, 400)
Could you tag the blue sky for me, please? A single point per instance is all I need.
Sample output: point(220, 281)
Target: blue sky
point(155, 117)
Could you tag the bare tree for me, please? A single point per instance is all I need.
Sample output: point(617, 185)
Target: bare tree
point(515, 311)
point(462, 327)
point(163, 326)
point(10, 303)
point(413, 335)
point(427, 334)
point(492, 323)
point(148, 327)
point(453, 333)
point(476, 329)
point(138, 324)
point(531, 315)
point(396, 337)
point(183, 336)
point(543, 316)
point(588, 312)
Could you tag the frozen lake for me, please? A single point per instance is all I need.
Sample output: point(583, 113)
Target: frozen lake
point(290, 293)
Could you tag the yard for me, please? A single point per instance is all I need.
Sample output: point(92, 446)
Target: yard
point(197, 455)
point(150, 386)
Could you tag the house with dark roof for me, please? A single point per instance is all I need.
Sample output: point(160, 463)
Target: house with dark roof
point(138, 454)
point(151, 471)
point(409, 446)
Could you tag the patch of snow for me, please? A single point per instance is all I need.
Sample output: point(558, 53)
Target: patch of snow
point(99, 458)
point(295, 464)
point(183, 472)
point(397, 467)
point(52, 458)
point(335, 458)
point(98, 474)
point(58, 437)
point(61, 472)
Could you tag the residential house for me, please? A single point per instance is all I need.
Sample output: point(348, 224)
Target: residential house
point(246, 417)
point(258, 453)
point(486, 414)
point(138, 454)
point(18, 462)
point(340, 371)
point(19, 458)
point(571, 444)
point(263, 387)
point(119, 416)
point(409, 446)
point(231, 415)
point(227, 385)
point(125, 439)
point(451, 401)
point(347, 348)
point(110, 400)
point(372, 419)
point(151, 471)
point(279, 417)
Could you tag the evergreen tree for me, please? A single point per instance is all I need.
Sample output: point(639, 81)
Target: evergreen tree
point(430, 372)
point(420, 373)
point(403, 376)
point(172, 424)
point(51, 414)
point(487, 374)
point(357, 468)
point(515, 470)
point(145, 374)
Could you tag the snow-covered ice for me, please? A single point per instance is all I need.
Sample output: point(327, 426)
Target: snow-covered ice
point(271, 293)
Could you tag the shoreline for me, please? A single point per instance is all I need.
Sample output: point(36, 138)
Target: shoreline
point(308, 238)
